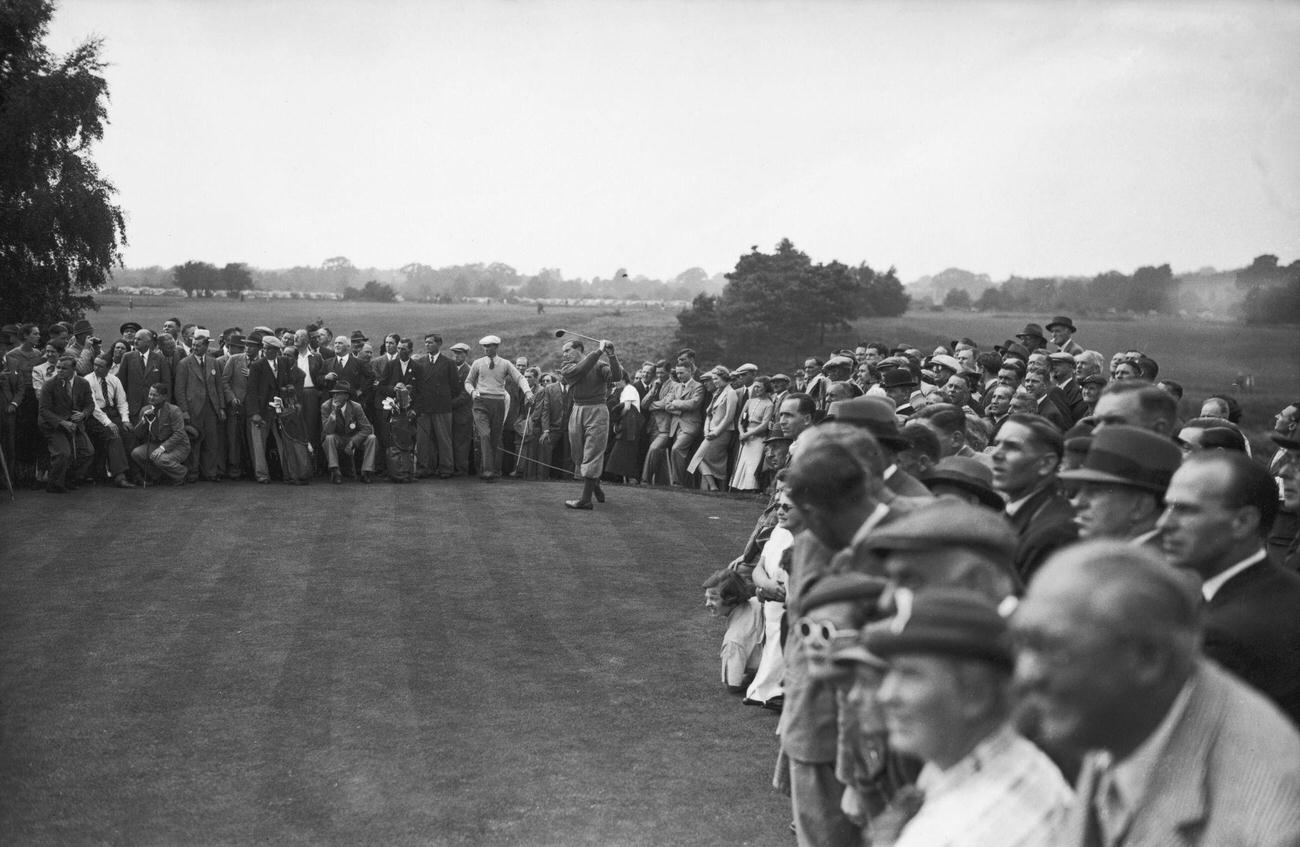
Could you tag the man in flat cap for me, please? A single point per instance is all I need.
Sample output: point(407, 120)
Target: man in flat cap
point(1219, 509)
point(1061, 368)
point(1119, 490)
point(946, 697)
point(486, 384)
point(462, 414)
point(267, 379)
point(1177, 750)
point(967, 479)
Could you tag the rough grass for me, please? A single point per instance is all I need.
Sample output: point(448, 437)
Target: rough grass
point(445, 663)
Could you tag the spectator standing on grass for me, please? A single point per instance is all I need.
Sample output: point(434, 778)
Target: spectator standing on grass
point(719, 426)
point(108, 427)
point(486, 385)
point(687, 409)
point(462, 415)
point(755, 424)
point(267, 379)
point(66, 404)
point(313, 384)
point(659, 425)
point(436, 390)
point(234, 389)
point(587, 380)
point(198, 395)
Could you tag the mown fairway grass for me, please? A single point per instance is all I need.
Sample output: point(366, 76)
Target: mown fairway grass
point(443, 663)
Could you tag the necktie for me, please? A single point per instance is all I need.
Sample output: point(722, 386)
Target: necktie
point(103, 390)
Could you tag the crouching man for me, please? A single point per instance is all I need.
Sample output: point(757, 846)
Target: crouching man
point(162, 445)
point(346, 429)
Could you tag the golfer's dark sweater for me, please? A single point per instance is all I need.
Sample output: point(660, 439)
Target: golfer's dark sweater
point(588, 380)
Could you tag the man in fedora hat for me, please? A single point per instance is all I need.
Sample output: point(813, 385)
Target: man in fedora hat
point(1063, 330)
point(898, 384)
point(83, 347)
point(946, 697)
point(876, 416)
point(1032, 337)
point(965, 478)
point(346, 429)
point(1119, 490)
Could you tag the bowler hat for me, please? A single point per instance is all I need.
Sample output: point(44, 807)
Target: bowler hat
point(1062, 320)
point(898, 378)
point(81, 326)
point(946, 622)
point(358, 335)
point(341, 386)
point(970, 475)
point(874, 414)
point(1031, 331)
point(1130, 456)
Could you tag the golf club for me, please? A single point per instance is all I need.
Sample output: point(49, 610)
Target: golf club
point(560, 333)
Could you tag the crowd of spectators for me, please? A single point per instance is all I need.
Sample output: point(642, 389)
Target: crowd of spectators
point(999, 596)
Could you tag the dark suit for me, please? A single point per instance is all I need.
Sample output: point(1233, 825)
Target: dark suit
point(345, 429)
point(71, 453)
point(1252, 628)
point(1073, 397)
point(462, 424)
point(436, 388)
point(355, 371)
point(234, 388)
point(1045, 523)
point(137, 374)
point(166, 430)
point(1052, 413)
point(198, 394)
point(1228, 774)
point(264, 384)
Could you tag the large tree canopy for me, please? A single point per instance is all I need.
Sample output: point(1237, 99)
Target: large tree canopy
point(60, 232)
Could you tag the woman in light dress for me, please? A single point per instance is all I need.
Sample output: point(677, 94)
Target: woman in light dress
point(755, 423)
point(770, 578)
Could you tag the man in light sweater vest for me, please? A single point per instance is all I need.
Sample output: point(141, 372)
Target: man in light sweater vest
point(486, 383)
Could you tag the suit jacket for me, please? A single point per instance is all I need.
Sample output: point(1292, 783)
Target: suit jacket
point(904, 484)
point(316, 365)
point(435, 385)
point(1073, 397)
point(659, 419)
point(687, 409)
point(137, 373)
point(1049, 409)
point(356, 372)
point(1252, 628)
point(264, 385)
point(56, 405)
point(394, 373)
point(1229, 775)
point(166, 430)
point(1045, 523)
point(347, 421)
point(234, 379)
point(196, 383)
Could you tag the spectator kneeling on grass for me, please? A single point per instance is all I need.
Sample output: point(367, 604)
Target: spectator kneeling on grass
point(729, 595)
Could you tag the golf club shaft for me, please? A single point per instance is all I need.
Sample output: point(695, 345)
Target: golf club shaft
point(580, 335)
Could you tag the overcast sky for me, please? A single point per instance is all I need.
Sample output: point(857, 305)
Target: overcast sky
point(1029, 138)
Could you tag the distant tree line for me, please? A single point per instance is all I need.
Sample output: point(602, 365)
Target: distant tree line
point(204, 279)
point(780, 298)
point(1272, 291)
point(1147, 289)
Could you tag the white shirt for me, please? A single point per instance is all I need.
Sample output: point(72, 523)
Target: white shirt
point(304, 360)
point(116, 398)
point(1212, 585)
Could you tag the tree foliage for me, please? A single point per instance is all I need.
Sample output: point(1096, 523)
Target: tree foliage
point(60, 232)
point(373, 291)
point(783, 298)
point(236, 277)
point(699, 328)
point(1272, 291)
point(194, 277)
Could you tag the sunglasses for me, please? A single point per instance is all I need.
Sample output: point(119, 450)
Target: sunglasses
point(823, 632)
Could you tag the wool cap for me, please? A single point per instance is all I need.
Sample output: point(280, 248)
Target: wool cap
point(838, 587)
point(945, 622)
point(948, 522)
point(968, 474)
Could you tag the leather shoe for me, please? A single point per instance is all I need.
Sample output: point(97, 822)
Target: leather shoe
point(123, 482)
point(749, 702)
point(600, 493)
point(581, 505)
point(776, 704)
point(366, 477)
point(335, 476)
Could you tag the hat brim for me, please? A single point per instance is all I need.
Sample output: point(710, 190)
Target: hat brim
point(986, 495)
point(1090, 475)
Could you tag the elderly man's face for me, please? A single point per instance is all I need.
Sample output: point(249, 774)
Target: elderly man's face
point(1104, 509)
point(1199, 528)
point(1059, 334)
point(1009, 377)
point(301, 339)
point(956, 391)
point(341, 347)
point(1071, 670)
point(923, 703)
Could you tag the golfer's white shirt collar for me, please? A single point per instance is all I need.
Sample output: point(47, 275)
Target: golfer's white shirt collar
point(889, 471)
point(1212, 585)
